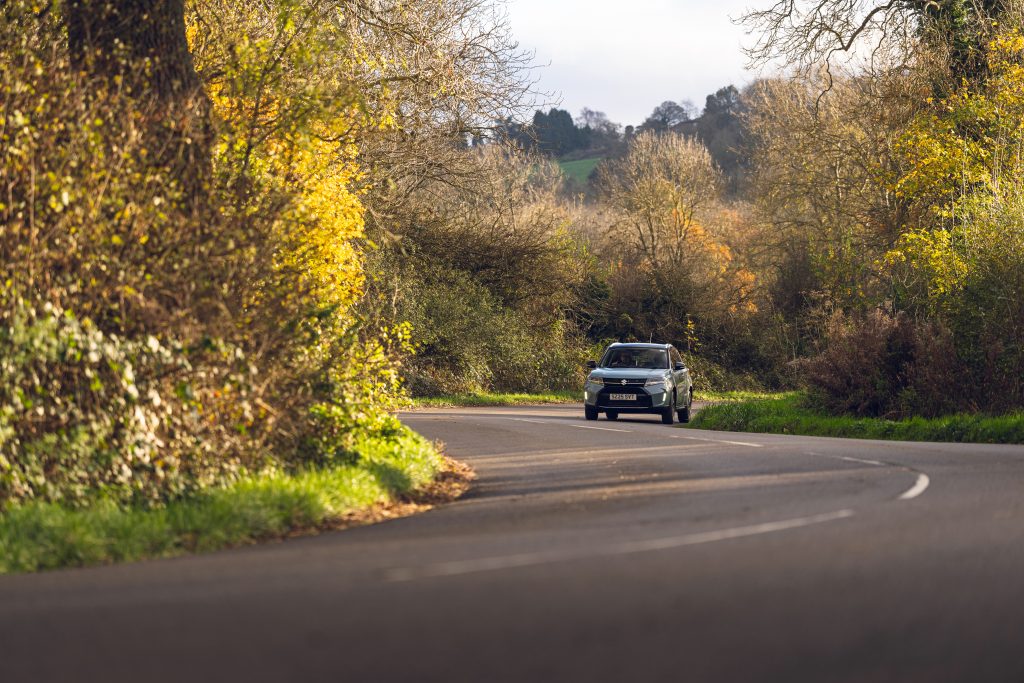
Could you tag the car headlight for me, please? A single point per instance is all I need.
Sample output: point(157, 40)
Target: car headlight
point(656, 382)
point(595, 380)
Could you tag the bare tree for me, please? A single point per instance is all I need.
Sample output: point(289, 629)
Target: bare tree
point(822, 176)
point(808, 34)
point(443, 72)
point(663, 191)
point(598, 121)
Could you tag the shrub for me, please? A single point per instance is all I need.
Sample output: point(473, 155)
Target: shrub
point(468, 341)
point(85, 414)
point(881, 365)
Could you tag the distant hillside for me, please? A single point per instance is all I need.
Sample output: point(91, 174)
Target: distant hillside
point(580, 170)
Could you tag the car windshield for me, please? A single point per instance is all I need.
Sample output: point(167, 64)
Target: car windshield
point(641, 359)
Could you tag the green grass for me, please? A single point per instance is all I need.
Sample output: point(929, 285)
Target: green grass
point(790, 414)
point(499, 399)
point(732, 396)
point(38, 536)
point(580, 170)
point(492, 399)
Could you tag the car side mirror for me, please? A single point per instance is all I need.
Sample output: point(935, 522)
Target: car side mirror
point(679, 367)
point(591, 364)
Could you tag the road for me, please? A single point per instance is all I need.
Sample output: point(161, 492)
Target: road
point(588, 551)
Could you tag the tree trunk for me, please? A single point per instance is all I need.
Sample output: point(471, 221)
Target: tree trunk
point(142, 41)
point(139, 47)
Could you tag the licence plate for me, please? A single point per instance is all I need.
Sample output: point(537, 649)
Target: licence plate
point(622, 397)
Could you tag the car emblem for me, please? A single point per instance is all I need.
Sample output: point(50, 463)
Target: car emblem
point(623, 382)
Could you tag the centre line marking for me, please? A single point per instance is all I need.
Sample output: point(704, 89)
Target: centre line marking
point(547, 422)
point(604, 429)
point(847, 458)
point(917, 489)
point(731, 443)
point(484, 564)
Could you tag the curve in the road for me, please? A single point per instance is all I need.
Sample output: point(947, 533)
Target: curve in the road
point(591, 552)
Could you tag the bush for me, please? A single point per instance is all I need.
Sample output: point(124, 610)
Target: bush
point(468, 341)
point(84, 414)
point(878, 365)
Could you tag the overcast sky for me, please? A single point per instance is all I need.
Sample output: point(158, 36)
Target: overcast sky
point(624, 57)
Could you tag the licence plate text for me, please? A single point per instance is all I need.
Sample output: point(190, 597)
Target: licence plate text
point(622, 397)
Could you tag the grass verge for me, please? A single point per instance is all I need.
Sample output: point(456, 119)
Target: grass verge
point(394, 476)
point(732, 396)
point(790, 414)
point(490, 399)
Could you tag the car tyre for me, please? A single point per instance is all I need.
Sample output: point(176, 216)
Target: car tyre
point(668, 415)
point(612, 414)
point(590, 412)
point(684, 414)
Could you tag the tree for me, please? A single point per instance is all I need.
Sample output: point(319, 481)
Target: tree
point(810, 33)
point(668, 115)
point(821, 177)
point(664, 208)
point(663, 190)
point(435, 73)
point(597, 121)
point(557, 134)
point(962, 262)
point(142, 41)
point(486, 275)
point(722, 129)
point(142, 44)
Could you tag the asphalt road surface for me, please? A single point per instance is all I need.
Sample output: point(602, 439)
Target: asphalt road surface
point(588, 551)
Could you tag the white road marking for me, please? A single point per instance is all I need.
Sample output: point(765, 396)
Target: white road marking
point(731, 443)
point(848, 458)
point(862, 461)
point(917, 489)
point(549, 422)
point(484, 564)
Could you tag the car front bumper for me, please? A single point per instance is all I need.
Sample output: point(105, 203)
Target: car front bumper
point(647, 398)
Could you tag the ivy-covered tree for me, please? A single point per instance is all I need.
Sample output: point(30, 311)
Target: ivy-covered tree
point(141, 46)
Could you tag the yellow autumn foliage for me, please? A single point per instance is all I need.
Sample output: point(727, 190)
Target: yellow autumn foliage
point(970, 141)
point(290, 122)
point(963, 156)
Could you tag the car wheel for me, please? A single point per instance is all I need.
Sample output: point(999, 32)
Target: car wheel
point(612, 414)
point(684, 414)
point(590, 412)
point(668, 415)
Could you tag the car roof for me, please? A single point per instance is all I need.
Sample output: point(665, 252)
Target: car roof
point(638, 345)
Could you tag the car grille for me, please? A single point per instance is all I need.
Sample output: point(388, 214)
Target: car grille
point(617, 382)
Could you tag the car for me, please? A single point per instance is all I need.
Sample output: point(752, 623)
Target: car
point(639, 378)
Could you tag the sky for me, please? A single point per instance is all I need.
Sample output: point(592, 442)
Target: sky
point(624, 57)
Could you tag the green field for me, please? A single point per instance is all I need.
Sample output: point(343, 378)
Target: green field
point(580, 170)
